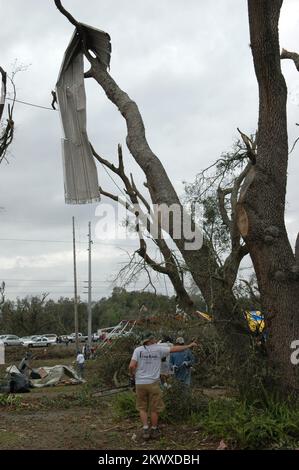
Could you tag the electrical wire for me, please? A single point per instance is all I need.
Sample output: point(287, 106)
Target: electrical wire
point(31, 104)
point(57, 241)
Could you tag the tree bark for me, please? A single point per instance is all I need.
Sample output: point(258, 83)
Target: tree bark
point(261, 205)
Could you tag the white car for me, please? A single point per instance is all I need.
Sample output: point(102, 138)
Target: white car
point(11, 340)
point(28, 339)
point(81, 338)
point(51, 338)
point(39, 342)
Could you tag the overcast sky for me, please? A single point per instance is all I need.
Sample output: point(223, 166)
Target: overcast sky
point(188, 66)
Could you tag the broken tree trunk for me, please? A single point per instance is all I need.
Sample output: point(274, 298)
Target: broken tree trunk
point(261, 206)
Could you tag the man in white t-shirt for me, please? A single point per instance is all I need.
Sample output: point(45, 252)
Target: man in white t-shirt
point(80, 363)
point(145, 365)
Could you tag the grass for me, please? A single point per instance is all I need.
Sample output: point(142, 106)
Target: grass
point(8, 438)
point(11, 401)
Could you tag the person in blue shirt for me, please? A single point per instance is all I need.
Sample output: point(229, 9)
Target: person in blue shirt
point(181, 363)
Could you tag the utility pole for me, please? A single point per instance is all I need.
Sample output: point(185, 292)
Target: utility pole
point(89, 285)
point(75, 288)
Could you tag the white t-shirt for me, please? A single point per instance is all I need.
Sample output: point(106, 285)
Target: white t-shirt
point(80, 358)
point(165, 365)
point(149, 362)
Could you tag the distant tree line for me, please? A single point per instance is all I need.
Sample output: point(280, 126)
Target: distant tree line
point(38, 315)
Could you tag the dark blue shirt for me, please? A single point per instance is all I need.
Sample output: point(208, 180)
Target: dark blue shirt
point(181, 363)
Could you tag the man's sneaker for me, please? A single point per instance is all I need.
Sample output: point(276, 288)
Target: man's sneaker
point(146, 433)
point(155, 433)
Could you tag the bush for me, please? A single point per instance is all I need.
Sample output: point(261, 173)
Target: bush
point(181, 403)
point(112, 363)
point(125, 405)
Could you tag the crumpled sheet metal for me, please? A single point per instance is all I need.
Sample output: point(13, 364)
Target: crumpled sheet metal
point(51, 376)
point(80, 172)
point(56, 375)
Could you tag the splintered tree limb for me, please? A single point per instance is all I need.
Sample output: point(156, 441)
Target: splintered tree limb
point(251, 153)
point(80, 30)
point(221, 193)
point(66, 13)
point(290, 55)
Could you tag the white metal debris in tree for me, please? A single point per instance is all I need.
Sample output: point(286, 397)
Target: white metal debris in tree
point(3, 91)
point(80, 173)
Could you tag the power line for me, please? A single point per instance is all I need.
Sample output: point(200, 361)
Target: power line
point(29, 240)
point(57, 241)
point(48, 280)
point(31, 104)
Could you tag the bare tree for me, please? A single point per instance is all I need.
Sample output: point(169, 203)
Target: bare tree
point(215, 283)
point(141, 209)
point(261, 207)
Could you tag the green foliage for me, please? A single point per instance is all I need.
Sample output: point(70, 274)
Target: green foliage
point(123, 305)
point(204, 190)
point(112, 363)
point(181, 403)
point(84, 398)
point(10, 400)
point(249, 425)
point(37, 315)
point(125, 405)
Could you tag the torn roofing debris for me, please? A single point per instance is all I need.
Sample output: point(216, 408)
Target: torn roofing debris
point(80, 173)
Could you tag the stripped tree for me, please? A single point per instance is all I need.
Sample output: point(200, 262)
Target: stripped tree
point(258, 210)
point(215, 284)
point(261, 206)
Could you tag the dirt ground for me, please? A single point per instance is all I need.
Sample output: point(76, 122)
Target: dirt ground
point(31, 427)
point(52, 418)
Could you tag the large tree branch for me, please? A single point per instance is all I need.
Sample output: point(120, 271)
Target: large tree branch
point(170, 267)
point(66, 13)
point(290, 55)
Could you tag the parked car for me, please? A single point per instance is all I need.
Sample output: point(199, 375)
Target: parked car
point(51, 338)
point(39, 342)
point(82, 338)
point(11, 340)
point(27, 339)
